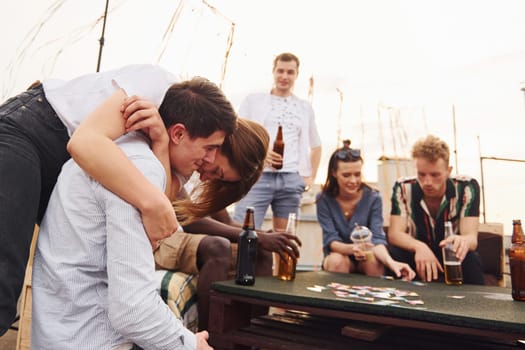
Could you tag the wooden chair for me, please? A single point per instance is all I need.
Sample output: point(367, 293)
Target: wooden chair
point(492, 253)
point(23, 341)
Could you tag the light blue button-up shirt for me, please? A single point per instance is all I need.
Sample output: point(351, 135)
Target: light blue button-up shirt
point(93, 272)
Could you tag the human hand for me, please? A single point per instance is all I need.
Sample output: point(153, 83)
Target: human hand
point(427, 265)
point(280, 243)
point(273, 159)
point(402, 270)
point(363, 251)
point(459, 245)
point(141, 114)
point(202, 340)
point(359, 252)
point(159, 220)
point(308, 181)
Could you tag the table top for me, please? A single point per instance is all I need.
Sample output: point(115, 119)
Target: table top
point(482, 307)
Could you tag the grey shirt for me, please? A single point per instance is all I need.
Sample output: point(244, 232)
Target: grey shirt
point(93, 273)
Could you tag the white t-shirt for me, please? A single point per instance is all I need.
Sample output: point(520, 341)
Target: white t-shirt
point(299, 129)
point(75, 99)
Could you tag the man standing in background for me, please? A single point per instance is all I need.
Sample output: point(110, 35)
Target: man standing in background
point(282, 189)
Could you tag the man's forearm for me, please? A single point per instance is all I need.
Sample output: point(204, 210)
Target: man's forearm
point(468, 228)
point(315, 159)
point(213, 227)
point(224, 217)
point(404, 241)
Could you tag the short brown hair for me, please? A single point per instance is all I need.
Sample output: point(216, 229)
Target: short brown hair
point(431, 148)
point(200, 105)
point(286, 57)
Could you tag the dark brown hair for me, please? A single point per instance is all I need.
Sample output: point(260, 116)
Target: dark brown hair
point(200, 105)
point(330, 187)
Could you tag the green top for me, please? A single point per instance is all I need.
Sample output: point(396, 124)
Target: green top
point(482, 307)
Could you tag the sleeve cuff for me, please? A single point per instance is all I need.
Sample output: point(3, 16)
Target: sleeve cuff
point(188, 340)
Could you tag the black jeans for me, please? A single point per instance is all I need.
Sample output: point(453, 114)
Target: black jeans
point(471, 265)
point(32, 151)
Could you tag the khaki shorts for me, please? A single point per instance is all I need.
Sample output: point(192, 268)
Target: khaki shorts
point(179, 252)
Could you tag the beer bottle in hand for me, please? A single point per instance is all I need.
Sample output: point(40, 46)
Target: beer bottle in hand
point(278, 146)
point(517, 261)
point(287, 265)
point(247, 251)
point(453, 270)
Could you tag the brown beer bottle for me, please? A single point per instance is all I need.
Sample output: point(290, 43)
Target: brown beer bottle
point(247, 250)
point(278, 146)
point(288, 265)
point(452, 265)
point(517, 261)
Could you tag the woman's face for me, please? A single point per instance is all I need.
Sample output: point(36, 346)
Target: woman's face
point(219, 169)
point(348, 177)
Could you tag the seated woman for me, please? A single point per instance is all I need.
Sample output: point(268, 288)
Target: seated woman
point(344, 202)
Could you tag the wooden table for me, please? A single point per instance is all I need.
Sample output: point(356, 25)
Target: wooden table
point(452, 317)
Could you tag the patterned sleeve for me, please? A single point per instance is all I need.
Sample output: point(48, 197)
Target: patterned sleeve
point(398, 207)
point(471, 193)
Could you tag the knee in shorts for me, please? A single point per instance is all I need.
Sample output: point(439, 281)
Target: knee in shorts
point(215, 247)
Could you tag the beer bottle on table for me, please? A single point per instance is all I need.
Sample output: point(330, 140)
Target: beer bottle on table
point(517, 261)
point(247, 250)
point(288, 265)
point(452, 265)
point(278, 146)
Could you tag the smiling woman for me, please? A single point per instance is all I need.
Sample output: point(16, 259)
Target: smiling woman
point(345, 203)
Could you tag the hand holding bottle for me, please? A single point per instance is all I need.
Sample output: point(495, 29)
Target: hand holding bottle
point(288, 264)
point(459, 246)
point(275, 157)
point(452, 246)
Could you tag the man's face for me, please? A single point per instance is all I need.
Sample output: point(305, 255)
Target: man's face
point(432, 176)
point(219, 169)
point(284, 76)
point(188, 155)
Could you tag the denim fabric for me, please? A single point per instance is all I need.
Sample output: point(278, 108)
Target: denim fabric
point(32, 150)
point(281, 190)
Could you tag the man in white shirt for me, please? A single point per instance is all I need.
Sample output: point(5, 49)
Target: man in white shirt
point(93, 275)
point(282, 189)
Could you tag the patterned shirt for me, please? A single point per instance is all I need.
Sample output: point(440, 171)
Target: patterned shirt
point(461, 199)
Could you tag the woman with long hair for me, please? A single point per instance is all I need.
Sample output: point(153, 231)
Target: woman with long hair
point(347, 203)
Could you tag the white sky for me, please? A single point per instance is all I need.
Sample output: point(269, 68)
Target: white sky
point(400, 65)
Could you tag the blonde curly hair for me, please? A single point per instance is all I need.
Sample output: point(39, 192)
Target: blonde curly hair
point(431, 148)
